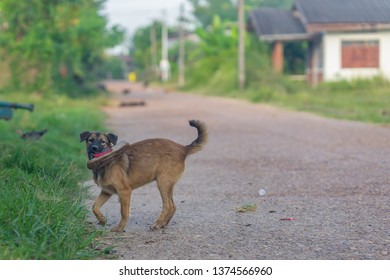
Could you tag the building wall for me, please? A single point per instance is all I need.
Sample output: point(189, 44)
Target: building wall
point(332, 56)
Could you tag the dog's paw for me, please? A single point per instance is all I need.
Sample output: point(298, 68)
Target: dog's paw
point(101, 220)
point(117, 229)
point(156, 226)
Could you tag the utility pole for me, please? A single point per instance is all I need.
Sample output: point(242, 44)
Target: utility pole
point(153, 50)
point(164, 63)
point(241, 44)
point(125, 70)
point(181, 48)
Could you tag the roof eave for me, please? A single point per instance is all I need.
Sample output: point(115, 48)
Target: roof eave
point(347, 27)
point(286, 37)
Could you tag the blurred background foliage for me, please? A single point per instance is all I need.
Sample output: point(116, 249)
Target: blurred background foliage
point(54, 44)
point(213, 54)
point(59, 45)
point(211, 66)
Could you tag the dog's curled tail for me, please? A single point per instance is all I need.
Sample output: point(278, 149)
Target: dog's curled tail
point(199, 142)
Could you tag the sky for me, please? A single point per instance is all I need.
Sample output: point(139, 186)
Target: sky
point(133, 14)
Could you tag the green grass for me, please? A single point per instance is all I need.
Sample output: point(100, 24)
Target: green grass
point(41, 200)
point(246, 208)
point(360, 100)
point(366, 100)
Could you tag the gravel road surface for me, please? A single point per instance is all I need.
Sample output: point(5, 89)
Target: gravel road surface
point(270, 183)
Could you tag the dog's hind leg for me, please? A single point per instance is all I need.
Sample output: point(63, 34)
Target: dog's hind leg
point(166, 190)
point(124, 199)
point(102, 198)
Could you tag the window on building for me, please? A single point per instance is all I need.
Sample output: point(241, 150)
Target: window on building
point(360, 54)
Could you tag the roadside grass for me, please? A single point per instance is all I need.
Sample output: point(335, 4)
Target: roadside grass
point(366, 100)
point(41, 201)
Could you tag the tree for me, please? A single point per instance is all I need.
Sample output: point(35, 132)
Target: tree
point(146, 57)
point(141, 51)
point(217, 30)
point(221, 35)
point(54, 43)
point(204, 11)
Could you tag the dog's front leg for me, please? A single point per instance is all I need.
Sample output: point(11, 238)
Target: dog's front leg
point(124, 199)
point(102, 198)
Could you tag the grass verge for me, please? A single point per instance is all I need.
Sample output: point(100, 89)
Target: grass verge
point(41, 201)
point(366, 100)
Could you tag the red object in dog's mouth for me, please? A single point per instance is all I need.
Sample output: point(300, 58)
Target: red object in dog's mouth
point(98, 155)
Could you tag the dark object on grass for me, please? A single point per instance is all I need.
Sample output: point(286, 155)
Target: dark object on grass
point(101, 87)
point(132, 103)
point(33, 135)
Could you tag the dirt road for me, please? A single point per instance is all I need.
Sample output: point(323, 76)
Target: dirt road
point(326, 183)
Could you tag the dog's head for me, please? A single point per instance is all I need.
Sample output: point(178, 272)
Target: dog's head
point(97, 142)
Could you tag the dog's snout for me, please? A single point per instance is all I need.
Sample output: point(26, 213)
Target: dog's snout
point(94, 148)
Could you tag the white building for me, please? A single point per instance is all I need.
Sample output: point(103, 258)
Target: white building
point(346, 38)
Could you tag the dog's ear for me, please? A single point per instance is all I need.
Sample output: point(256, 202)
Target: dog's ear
point(84, 135)
point(113, 138)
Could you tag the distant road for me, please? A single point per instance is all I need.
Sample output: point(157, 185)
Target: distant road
point(326, 182)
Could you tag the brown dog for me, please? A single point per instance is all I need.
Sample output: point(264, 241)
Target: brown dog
point(159, 160)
